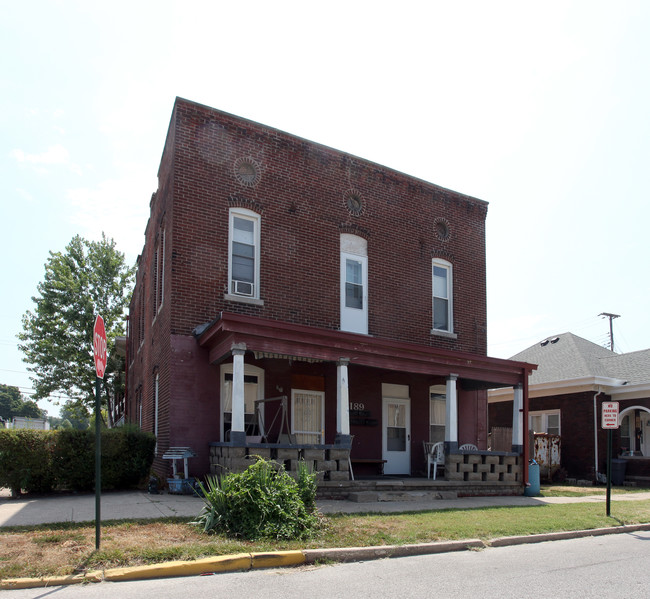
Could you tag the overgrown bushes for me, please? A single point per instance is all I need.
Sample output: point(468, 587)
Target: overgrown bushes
point(261, 502)
point(39, 461)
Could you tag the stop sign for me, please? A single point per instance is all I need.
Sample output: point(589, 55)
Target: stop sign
point(99, 346)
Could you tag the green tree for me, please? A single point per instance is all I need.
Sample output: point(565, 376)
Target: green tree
point(88, 278)
point(76, 415)
point(12, 404)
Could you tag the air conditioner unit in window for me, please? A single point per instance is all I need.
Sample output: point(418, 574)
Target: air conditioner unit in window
point(243, 288)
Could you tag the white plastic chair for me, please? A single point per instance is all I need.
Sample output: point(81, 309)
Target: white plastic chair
point(435, 454)
point(468, 447)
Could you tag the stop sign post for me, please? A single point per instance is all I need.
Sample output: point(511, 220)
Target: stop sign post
point(101, 355)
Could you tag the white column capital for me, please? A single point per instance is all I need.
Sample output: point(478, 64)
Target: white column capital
point(238, 349)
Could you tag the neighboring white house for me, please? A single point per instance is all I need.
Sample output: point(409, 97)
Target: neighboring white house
point(32, 423)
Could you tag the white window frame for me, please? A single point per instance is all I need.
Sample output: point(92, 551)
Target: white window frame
point(448, 267)
point(249, 370)
point(544, 414)
point(354, 248)
point(231, 293)
point(437, 393)
point(294, 431)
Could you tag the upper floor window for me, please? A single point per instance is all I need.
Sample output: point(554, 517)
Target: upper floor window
point(442, 296)
point(244, 254)
point(354, 284)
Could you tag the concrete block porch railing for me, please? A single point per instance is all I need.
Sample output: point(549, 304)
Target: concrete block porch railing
point(330, 462)
point(484, 467)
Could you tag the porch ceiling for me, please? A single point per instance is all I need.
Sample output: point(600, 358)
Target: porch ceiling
point(304, 342)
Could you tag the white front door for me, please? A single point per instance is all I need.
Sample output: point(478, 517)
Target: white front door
point(396, 435)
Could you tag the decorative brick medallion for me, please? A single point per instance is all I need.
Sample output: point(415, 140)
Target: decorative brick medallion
point(248, 171)
point(353, 202)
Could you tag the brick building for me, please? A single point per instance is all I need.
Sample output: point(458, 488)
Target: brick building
point(291, 295)
point(573, 379)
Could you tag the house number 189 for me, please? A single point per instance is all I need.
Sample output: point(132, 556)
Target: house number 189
point(358, 406)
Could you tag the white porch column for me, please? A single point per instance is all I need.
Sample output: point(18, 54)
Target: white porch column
point(451, 415)
point(518, 419)
point(342, 403)
point(238, 426)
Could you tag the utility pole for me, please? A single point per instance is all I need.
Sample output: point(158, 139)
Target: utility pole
point(611, 327)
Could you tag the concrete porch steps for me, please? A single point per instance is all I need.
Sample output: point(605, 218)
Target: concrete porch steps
point(412, 489)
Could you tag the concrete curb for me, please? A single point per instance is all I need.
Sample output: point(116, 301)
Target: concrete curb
point(278, 559)
point(358, 554)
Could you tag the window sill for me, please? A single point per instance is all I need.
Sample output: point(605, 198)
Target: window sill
point(445, 334)
point(242, 299)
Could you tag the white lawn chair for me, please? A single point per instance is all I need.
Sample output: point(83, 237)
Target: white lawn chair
point(468, 447)
point(435, 456)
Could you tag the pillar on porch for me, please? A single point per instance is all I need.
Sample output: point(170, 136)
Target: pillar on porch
point(518, 419)
point(238, 426)
point(451, 415)
point(342, 404)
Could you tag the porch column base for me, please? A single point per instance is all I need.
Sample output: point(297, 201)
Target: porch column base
point(238, 438)
point(518, 449)
point(343, 440)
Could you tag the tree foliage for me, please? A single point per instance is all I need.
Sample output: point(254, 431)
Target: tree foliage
point(12, 404)
point(88, 278)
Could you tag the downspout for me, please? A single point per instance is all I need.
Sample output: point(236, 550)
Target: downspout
point(525, 427)
point(596, 434)
point(126, 369)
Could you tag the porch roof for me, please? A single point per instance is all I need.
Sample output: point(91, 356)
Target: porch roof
point(311, 343)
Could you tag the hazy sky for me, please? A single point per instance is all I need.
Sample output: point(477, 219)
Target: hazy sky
point(541, 109)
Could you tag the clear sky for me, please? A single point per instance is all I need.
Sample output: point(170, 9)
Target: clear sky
point(541, 109)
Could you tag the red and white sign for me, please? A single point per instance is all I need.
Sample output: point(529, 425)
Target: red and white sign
point(99, 346)
point(610, 414)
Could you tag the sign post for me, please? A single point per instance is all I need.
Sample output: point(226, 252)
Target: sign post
point(609, 422)
point(100, 354)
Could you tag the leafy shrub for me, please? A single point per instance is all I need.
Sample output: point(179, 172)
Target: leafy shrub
point(127, 455)
point(26, 460)
point(38, 461)
point(74, 460)
point(261, 502)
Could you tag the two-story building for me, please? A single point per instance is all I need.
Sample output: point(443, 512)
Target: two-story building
point(290, 295)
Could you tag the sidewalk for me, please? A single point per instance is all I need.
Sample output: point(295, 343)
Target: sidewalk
point(119, 505)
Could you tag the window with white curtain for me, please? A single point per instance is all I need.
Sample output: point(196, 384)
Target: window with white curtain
point(253, 390)
point(437, 412)
point(545, 422)
point(308, 416)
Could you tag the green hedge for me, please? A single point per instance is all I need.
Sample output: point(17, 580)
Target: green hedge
point(26, 460)
point(39, 461)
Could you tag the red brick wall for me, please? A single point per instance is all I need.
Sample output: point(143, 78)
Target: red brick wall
point(300, 197)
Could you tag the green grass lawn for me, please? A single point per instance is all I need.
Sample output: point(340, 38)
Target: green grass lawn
point(65, 548)
point(564, 490)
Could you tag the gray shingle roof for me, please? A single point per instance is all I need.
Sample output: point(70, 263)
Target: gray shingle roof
point(567, 356)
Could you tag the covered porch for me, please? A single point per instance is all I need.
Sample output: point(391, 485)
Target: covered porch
point(376, 395)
